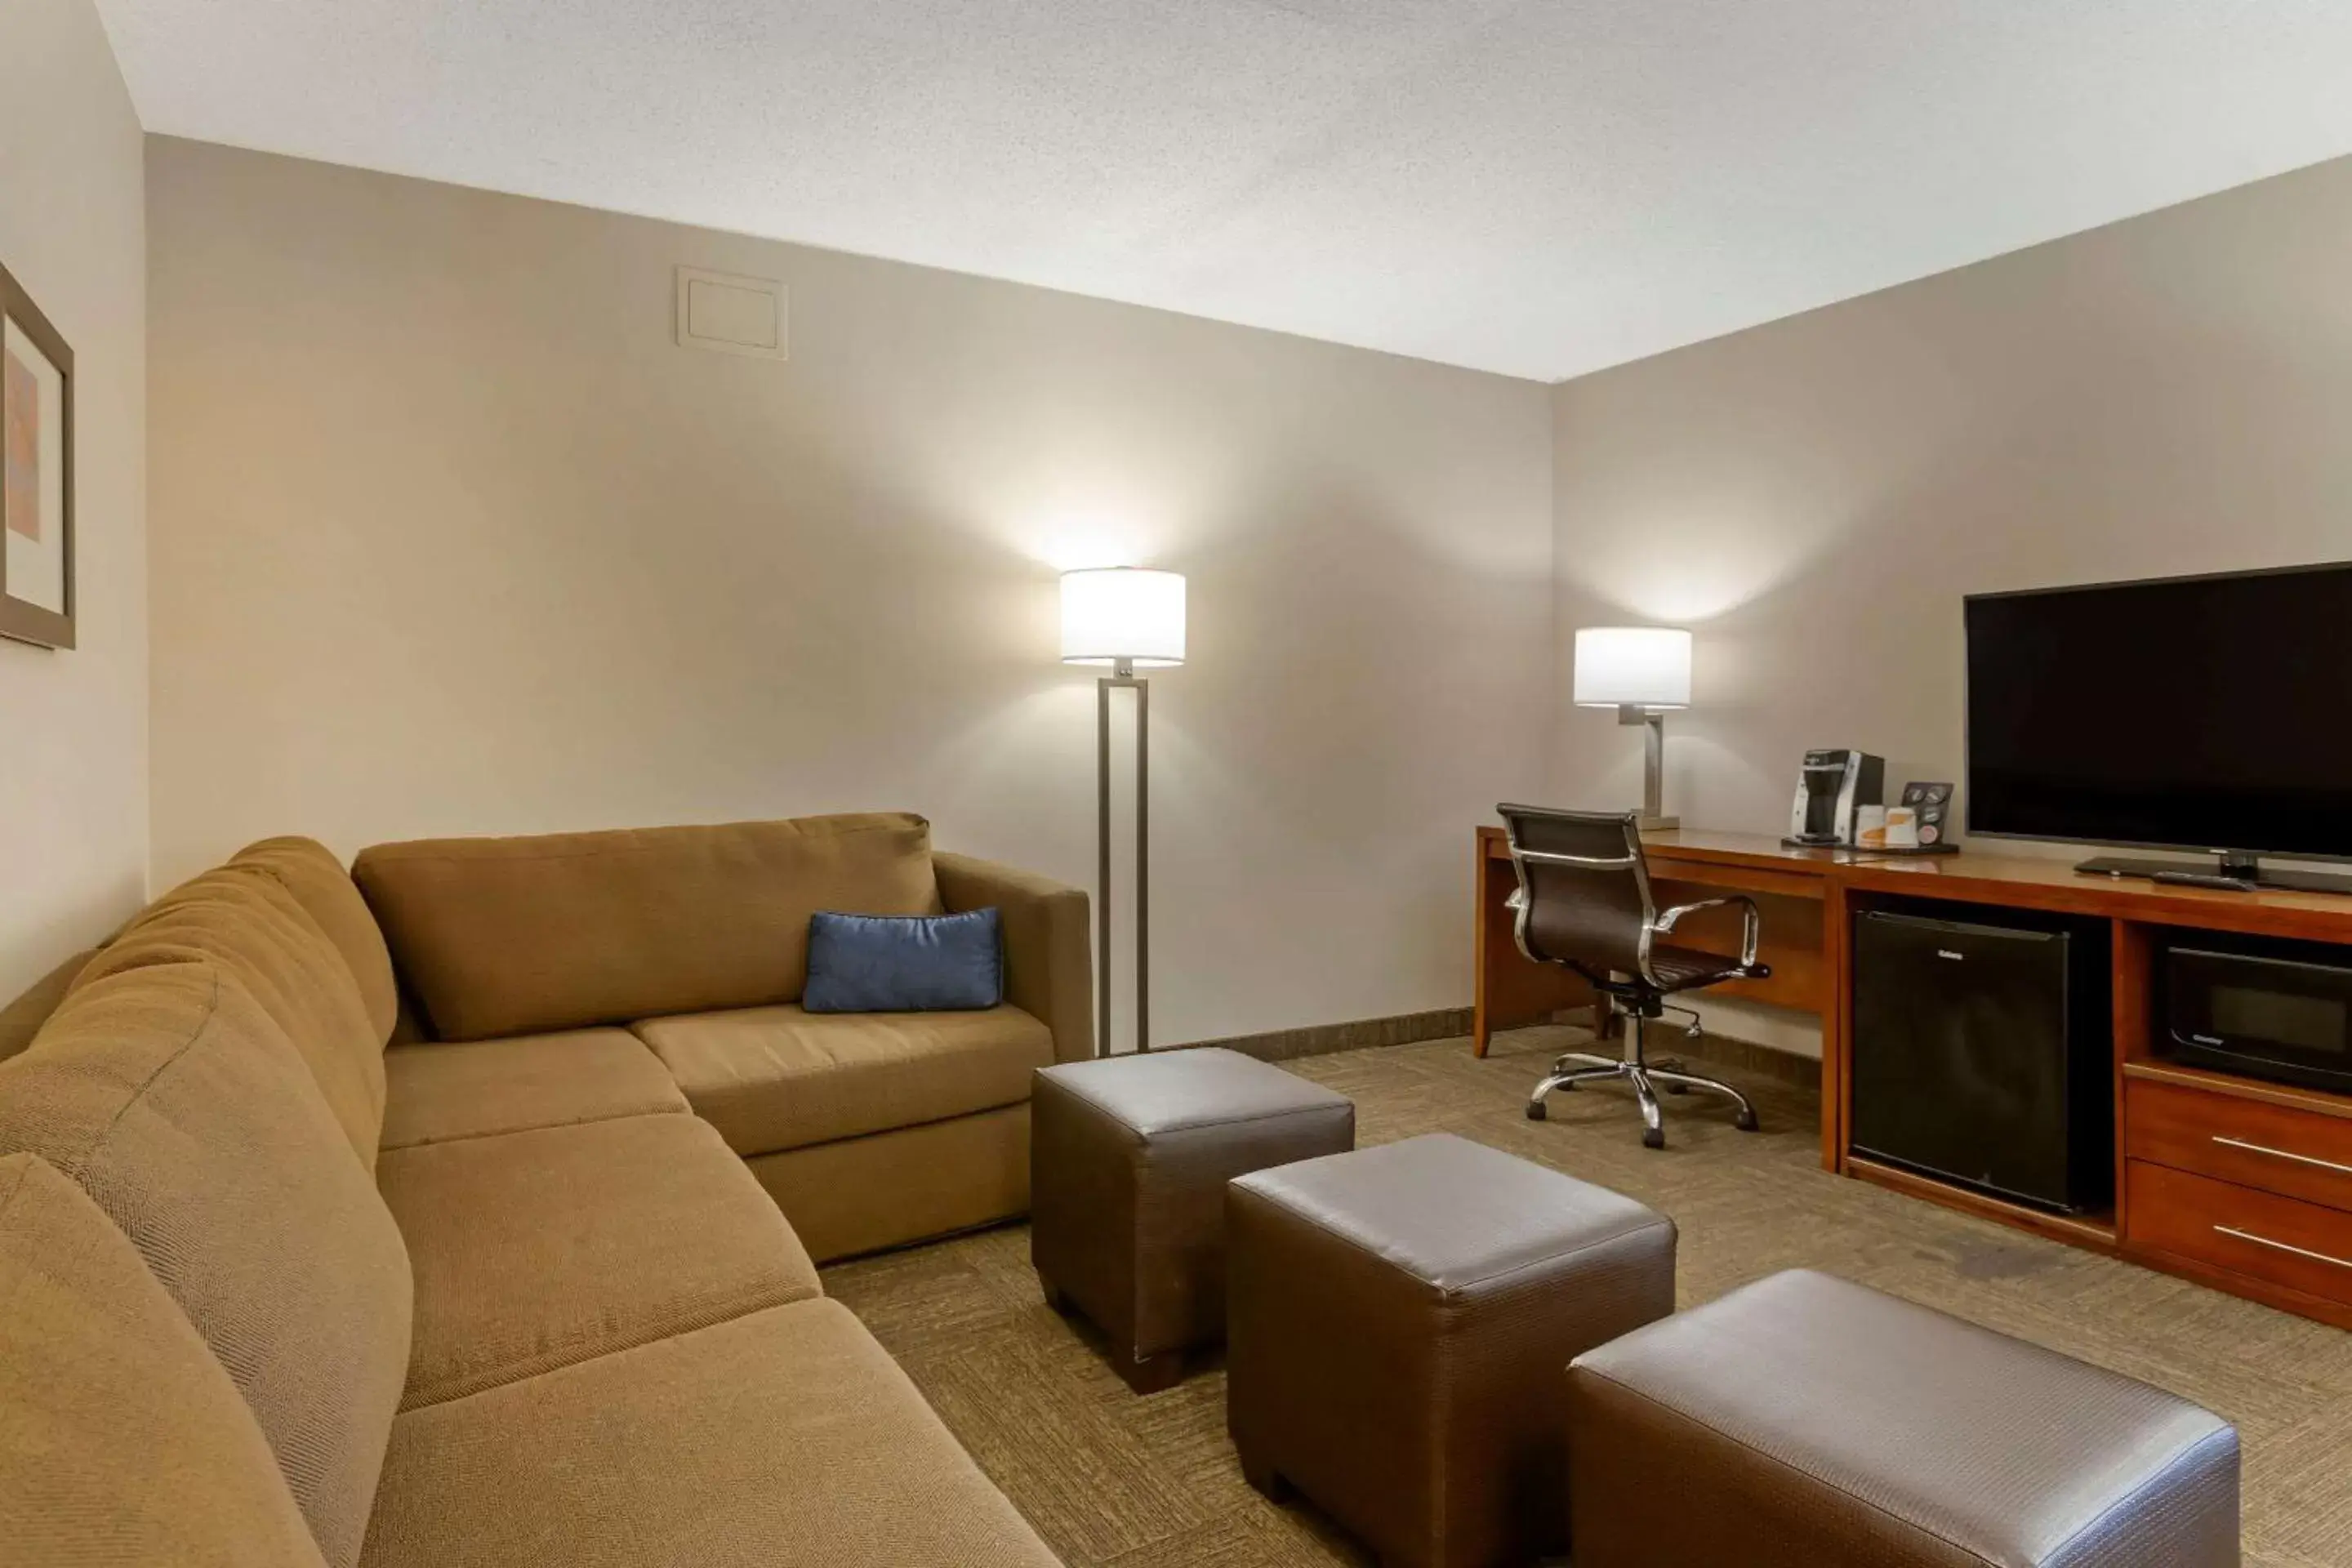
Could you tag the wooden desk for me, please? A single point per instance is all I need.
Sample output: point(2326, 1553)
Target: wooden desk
point(2186, 1193)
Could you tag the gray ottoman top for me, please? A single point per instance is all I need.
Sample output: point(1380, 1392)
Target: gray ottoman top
point(1453, 1214)
point(1994, 1444)
point(1171, 1091)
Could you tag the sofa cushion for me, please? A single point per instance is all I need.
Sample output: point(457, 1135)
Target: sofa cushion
point(437, 1091)
point(517, 936)
point(243, 919)
point(309, 871)
point(121, 1438)
point(785, 1437)
point(777, 1077)
point(533, 1250)
point(171, 1097)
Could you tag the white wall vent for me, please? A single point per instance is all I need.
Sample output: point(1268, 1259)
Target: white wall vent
point(731, 315)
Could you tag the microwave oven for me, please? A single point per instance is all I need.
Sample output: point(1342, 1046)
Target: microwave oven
point(2277, 1010)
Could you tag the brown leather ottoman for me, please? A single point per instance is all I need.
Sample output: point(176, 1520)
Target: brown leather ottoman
point(1399, 1321)
point(1804, 1421)
point(1129, 1157)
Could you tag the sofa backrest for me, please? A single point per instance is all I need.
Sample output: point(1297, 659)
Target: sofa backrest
point(308, 870)
point(171, 1098)
point(242, 918)
point(121, 1437)
point(21, 1018)
point(511, 936)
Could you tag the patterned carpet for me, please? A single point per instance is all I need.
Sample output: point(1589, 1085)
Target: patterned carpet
point(1109, 1478)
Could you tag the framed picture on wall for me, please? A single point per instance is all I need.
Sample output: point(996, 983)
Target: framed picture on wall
point(37, 491)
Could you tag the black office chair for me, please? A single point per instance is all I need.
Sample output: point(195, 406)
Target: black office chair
point(1584, 901)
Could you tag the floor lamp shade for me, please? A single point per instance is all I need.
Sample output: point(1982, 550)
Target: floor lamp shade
point(1123, 614)
point(1633, 667)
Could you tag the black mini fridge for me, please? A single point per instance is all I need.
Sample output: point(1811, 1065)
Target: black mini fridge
point(1982, 1051)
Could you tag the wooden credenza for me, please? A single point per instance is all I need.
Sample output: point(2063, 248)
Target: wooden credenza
point(2241, 1185)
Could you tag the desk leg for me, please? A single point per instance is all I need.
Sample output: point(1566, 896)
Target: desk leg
point(1487, 897)
point(1837, 1077)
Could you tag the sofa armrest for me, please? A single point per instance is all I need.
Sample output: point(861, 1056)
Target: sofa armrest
point(1048, 951)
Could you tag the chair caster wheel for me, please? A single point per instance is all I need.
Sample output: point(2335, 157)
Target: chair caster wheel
point(1746, 1121)
point(1536, 1111)
point(1654, 1137)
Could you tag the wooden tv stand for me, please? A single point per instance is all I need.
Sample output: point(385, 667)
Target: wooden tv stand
point(2239, 1184)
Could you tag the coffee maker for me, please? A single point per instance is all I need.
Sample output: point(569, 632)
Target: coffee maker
point(1833, 785)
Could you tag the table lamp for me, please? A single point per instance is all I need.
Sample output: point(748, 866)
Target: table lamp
point(1129, 619)
point(1641, 671)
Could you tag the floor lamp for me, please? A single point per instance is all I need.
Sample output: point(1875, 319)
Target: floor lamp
point(1129, 619)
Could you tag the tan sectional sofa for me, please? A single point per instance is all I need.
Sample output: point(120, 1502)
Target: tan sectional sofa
point(535, 1284)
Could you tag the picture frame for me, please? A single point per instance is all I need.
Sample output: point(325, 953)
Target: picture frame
point(36, 474)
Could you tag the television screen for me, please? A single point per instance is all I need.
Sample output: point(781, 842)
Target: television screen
point(2199, 713)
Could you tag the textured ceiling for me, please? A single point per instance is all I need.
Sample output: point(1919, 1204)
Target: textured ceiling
point(1542, 187)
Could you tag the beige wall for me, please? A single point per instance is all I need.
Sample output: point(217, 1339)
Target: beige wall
point(73, 725)
point(2172, 393)
point(450, 538)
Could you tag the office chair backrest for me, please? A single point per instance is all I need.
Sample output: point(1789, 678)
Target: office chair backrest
point(1583, 885)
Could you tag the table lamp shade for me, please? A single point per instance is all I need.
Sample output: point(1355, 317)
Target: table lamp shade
point(1633, 667)
point(1123, 613)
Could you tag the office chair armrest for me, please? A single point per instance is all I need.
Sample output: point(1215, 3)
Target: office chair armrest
point(1752, 922)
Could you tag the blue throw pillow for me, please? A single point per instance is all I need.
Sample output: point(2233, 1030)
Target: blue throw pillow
point(904, 963)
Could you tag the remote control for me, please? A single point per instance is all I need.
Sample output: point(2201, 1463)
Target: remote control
point(2204, 880)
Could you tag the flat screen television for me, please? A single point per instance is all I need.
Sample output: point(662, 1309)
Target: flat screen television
point(2211, 715)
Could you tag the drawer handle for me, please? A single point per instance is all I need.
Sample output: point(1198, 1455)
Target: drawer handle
point(2280, 1246)
point(2283, 1154)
